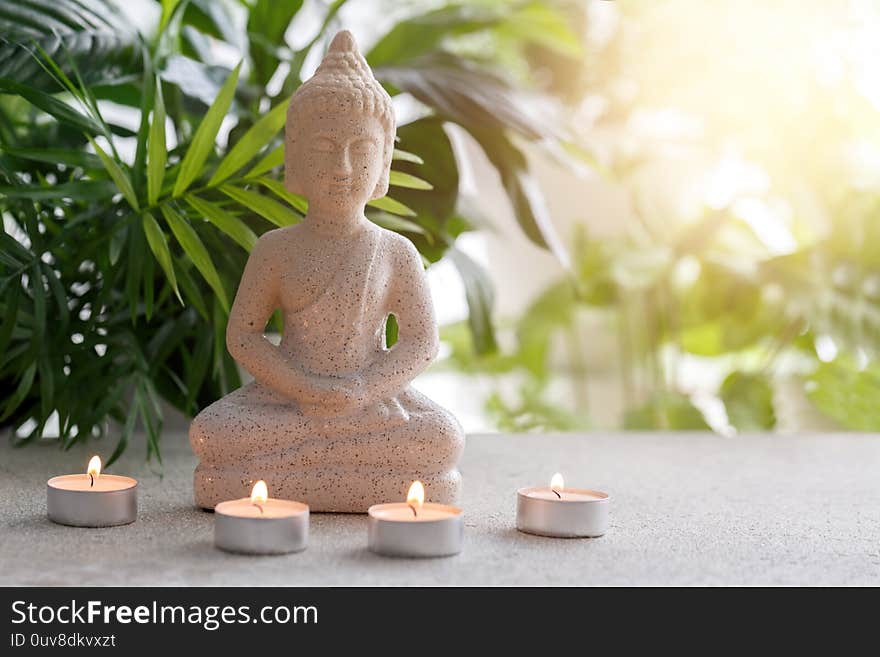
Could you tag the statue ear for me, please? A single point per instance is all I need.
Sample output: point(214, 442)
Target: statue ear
point(381, 187)
point(382, 184)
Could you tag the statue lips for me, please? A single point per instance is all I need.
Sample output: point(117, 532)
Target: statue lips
point(340, 187)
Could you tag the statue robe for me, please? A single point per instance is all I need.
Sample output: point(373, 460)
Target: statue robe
point(256, 432)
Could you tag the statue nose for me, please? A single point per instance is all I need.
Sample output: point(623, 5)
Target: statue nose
point(343, 164)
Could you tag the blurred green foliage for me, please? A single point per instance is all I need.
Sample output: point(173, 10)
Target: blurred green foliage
point(136, 172)
point(747, 252)
point(757, 323)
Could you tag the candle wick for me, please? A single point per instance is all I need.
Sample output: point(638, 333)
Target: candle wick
point(259, 507)
point(413, 507)
point(557, 493)
point(92, 477)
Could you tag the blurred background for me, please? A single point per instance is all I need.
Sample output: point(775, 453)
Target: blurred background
point(635, 215)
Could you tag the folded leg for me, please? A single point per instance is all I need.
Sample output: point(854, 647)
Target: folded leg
point(330, 463)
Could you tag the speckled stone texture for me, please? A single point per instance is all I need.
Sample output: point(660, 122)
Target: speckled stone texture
point(330, 419)
point(687, 509)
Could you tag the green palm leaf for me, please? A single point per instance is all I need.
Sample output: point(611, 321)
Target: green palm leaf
point(395, 223)
point(390, 205)
point(422, 33)
point(194, 248)
point(157, 149)
point(159, 247)
point(229, 224)
point(120, 177)
point(93, 35)
point(272, 159)
point(273, 211)
point(400, 179)
point(480, 298)
point(203, 141)
point(63, 112)
point(260, 134)
point(277, 187)
point(24, 386)
point(406, 156)
point(65, 156)
point(81, 190)
point(266, 26)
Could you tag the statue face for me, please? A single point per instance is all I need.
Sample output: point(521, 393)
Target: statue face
point(336, 161)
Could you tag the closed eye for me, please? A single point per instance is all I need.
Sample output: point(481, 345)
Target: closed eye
point(323, 145)
point(363, 146)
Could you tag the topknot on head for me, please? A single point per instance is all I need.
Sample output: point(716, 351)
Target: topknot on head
point(344, 65)
point(343, 42)
point(344, 79)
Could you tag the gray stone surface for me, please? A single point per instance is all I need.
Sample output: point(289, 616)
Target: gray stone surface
point(686, 509)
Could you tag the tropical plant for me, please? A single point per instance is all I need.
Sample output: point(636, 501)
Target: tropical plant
point(688, 297)
point(124, 239)
point(745, 269)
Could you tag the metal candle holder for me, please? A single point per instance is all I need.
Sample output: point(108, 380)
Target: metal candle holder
point(577, 513)
point(395, 532)
point(285, 530)
point(68, 503)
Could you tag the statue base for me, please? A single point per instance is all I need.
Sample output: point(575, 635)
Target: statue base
point(330, 490)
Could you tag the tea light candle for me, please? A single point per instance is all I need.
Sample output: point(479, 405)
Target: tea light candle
point(92, 499)
point(562, 512)
point(415, 528)
point(261, 525)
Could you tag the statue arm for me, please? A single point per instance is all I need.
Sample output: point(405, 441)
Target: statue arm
point(257, 298)
point(416, 347)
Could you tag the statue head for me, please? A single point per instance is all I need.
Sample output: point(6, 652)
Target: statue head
point(339, 136)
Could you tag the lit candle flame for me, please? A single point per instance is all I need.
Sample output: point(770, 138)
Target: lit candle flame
point(94, 468)
point(557, 484)
point(260, 493)
point(416, 497)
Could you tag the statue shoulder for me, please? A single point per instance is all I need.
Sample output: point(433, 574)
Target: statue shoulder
point(402, 250)
point(271, 243)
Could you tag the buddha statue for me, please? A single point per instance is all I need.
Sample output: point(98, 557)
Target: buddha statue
point(330, 418)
